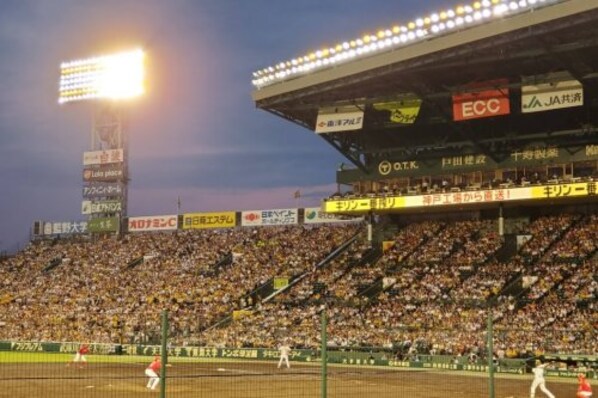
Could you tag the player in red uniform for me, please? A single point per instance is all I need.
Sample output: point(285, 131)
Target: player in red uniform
point(153, 371)
point(584, 390)
point(80, 359)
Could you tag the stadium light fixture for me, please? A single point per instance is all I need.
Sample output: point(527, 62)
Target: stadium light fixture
point(113, 77)
point(423, 28)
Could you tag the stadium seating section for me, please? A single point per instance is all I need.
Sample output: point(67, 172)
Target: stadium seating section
point(427, 292)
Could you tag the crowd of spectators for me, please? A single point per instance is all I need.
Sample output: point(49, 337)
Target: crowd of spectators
point(94, 295)
point(437, 300)
point(318, 282)
point(544, 232)
point(429, 291)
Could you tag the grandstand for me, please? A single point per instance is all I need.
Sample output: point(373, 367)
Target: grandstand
point(467, 209)
point(438, 148)
point(465, 120)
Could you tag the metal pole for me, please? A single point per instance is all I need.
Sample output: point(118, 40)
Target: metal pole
point(324, 354)
point(490, 354)
point(164, 354)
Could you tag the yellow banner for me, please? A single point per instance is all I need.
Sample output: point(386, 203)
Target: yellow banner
point(238, 314)
point(209, 220)
point(404, 112)
point(279, 283)
point(564, 190)
point(554, 191)
point(361, 205)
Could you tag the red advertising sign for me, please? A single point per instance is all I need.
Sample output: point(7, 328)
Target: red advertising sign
point(153, 223)
point(480, 104)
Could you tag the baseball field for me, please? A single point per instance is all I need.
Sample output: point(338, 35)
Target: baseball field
point(47, 375)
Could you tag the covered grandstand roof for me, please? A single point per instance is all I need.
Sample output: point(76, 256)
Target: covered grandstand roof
point(558, 37)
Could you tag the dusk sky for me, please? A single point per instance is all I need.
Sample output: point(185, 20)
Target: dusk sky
point(196, 134)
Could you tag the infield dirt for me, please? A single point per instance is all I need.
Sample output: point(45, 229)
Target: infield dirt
point(251, 379)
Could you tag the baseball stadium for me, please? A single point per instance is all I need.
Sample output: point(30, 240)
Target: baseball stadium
point(456, 258)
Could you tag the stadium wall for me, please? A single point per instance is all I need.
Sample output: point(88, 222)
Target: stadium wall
point(344, 357)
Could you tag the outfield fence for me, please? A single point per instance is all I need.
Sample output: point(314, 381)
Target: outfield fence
point(405, 367)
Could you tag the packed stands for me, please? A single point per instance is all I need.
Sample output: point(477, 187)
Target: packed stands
point(428, 292)
point(94, 295)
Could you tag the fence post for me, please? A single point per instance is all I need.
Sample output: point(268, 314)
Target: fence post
point(164, 353)
point(324, 353)
point(490, 353)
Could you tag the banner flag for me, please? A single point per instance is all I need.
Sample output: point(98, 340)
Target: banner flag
point(402, 112)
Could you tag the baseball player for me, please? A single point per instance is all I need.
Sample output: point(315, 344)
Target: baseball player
point(285, 350)
point(584, 390)
point(153, 371)
point(539, 380)
point(80, 356)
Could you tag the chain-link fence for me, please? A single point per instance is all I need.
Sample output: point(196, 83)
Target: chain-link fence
point(429, 360)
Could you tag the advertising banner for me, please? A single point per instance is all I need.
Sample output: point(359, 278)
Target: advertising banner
point(402, 112)
point(468, 197)
point(153, 223)
point(480, 104)
point(98, 190)
point(315, 215)
point(357, 358)
point(64, 228)
point(103, 157)
point(209, 220)
point(106, 224)
point(462, 198)
point(106, 206)
point(333, 122)
point(270, 217)
point(106, 173)
point(251, 218)
point(550, 96)
point(356, 205)
point(565, 190)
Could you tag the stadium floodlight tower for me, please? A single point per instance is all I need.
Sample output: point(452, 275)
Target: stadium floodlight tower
point(109, 82)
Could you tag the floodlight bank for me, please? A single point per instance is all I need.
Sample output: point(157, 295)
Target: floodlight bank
point(116, 76)
point(435, 24)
